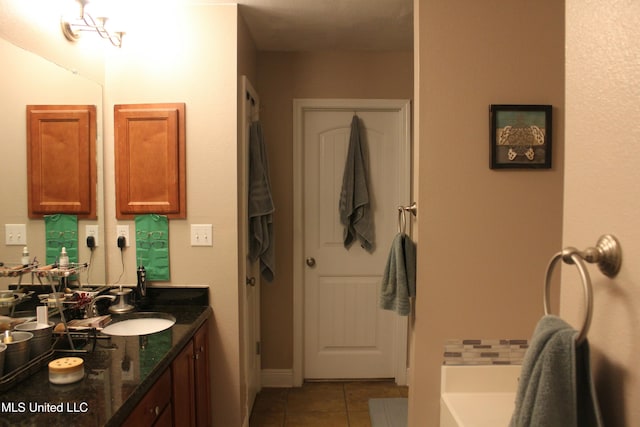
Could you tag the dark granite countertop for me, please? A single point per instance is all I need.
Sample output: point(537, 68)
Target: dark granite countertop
point(118, 373)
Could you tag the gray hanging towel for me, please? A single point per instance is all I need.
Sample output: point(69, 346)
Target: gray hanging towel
point(399, 278)
point(355, 210)
point(261, 244)
point(555, 387)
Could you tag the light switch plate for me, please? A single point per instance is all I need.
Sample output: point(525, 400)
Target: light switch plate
point(201, 235)
point(15, 234)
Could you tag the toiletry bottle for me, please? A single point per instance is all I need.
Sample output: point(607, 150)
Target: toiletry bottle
point(63, 261)
point(25, 256)
point(142, 281)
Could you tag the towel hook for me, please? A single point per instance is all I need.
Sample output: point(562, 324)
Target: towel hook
point(402, 218)
point(607, 254)
point(402, 221)
point(413, 208)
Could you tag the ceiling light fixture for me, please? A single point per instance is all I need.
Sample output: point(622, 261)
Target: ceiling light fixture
point(71, 28)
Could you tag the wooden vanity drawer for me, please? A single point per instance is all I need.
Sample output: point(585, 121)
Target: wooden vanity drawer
point(152, 404)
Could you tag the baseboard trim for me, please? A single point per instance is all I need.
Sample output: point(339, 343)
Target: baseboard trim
point(284, 378)
point(277, 377)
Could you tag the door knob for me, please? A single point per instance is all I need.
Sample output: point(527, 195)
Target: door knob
point(251, 281)
point(311, 261)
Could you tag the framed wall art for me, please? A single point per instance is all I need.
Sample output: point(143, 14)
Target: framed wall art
point(520, 136)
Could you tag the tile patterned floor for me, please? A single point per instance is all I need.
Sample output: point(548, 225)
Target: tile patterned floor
point(321, 404)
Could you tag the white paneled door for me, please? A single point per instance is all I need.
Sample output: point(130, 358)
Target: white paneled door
point(346, 335)
point(250, 289)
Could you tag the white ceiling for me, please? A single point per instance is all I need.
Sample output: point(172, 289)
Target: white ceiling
point(312, 25)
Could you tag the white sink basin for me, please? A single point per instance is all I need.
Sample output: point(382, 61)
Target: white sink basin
point(139, 324)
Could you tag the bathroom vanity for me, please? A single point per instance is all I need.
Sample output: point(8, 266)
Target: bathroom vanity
point(157, 379)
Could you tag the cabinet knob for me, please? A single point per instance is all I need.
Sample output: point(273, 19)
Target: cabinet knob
point(311, 261)
point(251, 281)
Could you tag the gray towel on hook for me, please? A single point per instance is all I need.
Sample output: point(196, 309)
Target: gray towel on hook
point(399, 278)
point(355, 210)
point(555, 387)
point(260, 204)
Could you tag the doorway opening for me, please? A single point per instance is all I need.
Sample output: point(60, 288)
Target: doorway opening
point(381, 345)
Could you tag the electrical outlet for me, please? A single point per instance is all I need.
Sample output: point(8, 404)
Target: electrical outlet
point(123, 230)
point(15, 234)
point(91, 230)
point(201, 235)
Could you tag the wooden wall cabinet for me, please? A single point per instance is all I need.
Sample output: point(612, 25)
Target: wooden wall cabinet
point(150, 160)
point(61, 160)
point(190, 376)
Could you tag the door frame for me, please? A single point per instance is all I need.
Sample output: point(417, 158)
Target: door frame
point(300, 107)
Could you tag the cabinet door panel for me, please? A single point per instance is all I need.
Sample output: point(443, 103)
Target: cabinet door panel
point(150, 160)
point(61, 160)
point(201, 349)
point(166, 418)
point(152, 404)
point(183, 387)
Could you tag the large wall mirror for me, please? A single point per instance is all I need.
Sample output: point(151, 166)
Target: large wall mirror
point(29, 79)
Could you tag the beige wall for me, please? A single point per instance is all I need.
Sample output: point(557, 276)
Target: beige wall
point(34, 25)
point(601, 190)
point(484, 236)
point(247, 52)
point(281, 78)
point(189, 55)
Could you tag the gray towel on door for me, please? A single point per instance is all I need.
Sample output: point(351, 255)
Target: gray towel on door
point(555, 387)
point(355, 210)
point(399, 278)
point(260, 204)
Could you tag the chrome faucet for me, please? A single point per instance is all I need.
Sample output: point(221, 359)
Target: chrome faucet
point(92, 310)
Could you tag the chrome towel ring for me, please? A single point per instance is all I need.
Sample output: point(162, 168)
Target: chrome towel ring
point(607, 254)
